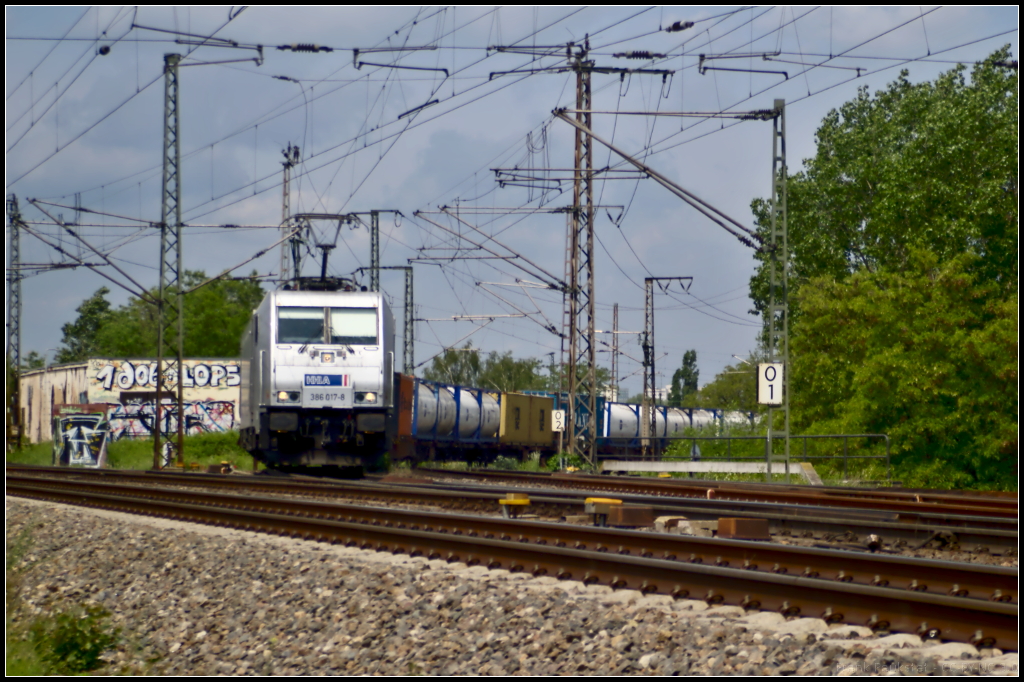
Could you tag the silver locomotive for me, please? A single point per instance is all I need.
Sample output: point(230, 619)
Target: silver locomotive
point(318, 379)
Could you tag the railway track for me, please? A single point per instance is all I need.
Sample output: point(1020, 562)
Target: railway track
point(828, 525)
point(936, 599)
point(912, 505)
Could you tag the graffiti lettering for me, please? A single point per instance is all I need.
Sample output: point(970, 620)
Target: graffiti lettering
point(126, 375)
point(136, 419)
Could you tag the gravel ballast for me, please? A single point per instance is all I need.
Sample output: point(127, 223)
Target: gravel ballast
point(196, 600)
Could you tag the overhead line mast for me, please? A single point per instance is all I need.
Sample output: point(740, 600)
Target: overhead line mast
point(171, 323)
point(579, 309)
point(14, 277)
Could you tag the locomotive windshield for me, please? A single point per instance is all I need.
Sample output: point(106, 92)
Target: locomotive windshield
point(300, 325)
point(354, 325)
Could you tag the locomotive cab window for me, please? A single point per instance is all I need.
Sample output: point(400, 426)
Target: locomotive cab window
point(356, 326)
point(300, 325)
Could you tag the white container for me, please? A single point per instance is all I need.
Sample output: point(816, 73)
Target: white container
point(491, 417)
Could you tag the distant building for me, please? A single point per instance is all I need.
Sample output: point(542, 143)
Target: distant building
point(127, 387)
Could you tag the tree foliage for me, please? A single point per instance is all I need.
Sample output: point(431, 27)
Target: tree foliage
point(80, 337)
point(685, 381)
point(466, 366)
point(497, 371)
point(215, 317)
point(734, 388)
point(904, 273)
point(930, 165)
point(926, 354)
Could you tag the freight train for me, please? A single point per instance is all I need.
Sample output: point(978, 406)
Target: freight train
point(319, 389)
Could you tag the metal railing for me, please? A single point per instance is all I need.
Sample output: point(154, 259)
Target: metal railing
point(629, 445)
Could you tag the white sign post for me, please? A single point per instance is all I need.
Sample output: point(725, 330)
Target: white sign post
point(769, 383)
point(558, 420)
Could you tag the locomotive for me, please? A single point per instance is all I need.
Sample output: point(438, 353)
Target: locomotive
point(317, 376)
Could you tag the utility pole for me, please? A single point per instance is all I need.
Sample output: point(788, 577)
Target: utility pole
point(409, 331)
point(291, 159)
point(14, 277)
point(375, 243)
point(649, 415)
point(579, 309)
point(374, 250)
point(615, 353)
point(171, 319)
point(582, 410)
point(778, 297)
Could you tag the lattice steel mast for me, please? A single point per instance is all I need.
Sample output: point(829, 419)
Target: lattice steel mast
point(408, 330)
point(580, 277)
point(170, 318)
point(778, 297)
point(291, 159)
point(14, 278)
point(649, 416)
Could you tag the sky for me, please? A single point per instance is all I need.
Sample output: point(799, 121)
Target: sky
point(383, 126)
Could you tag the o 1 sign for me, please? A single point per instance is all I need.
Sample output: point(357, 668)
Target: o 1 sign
point(769, 383)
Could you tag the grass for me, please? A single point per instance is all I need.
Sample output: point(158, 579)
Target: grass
point(203, 449)
point(40, 454)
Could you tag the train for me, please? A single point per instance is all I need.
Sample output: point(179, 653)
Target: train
point(319, 389)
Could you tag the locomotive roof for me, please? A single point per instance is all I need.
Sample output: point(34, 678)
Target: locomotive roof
point(339, 299)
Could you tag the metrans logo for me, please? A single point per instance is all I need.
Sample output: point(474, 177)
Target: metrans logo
point(327, 380)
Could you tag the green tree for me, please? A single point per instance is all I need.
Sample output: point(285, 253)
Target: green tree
point(80, 337)
point(215, 317)
point(734, 388)
point(929, 165)
point(685, 380)
point(904, 273)
point(33, 361)
point(466, 366)
point(459, 366)
point(926, 353)
point(504, 373)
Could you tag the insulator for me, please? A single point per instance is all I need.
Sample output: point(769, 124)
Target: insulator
point(639, 54)
point(679, 26)
point(305, 47)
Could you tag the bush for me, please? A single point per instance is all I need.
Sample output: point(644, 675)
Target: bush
point(72, 641)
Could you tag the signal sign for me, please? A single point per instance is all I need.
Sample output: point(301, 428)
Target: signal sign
point(769, 383)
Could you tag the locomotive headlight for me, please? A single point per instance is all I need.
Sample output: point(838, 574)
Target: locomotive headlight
point(366, 398)
point(288, 396)
point(327, 357)
point(282, 396)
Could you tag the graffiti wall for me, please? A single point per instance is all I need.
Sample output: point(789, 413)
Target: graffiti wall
point(211, 392)
point(126, 389)
point(136, 418)
point(80, 434)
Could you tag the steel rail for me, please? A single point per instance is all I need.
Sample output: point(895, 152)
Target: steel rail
point(831, 525)
point(766, 493)
point(994, 499)
point(994, 583)
point(982, 623)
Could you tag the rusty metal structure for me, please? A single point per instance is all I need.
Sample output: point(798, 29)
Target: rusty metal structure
point(579, 277)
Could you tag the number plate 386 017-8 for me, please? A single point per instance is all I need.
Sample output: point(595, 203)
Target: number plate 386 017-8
point(327, 390)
